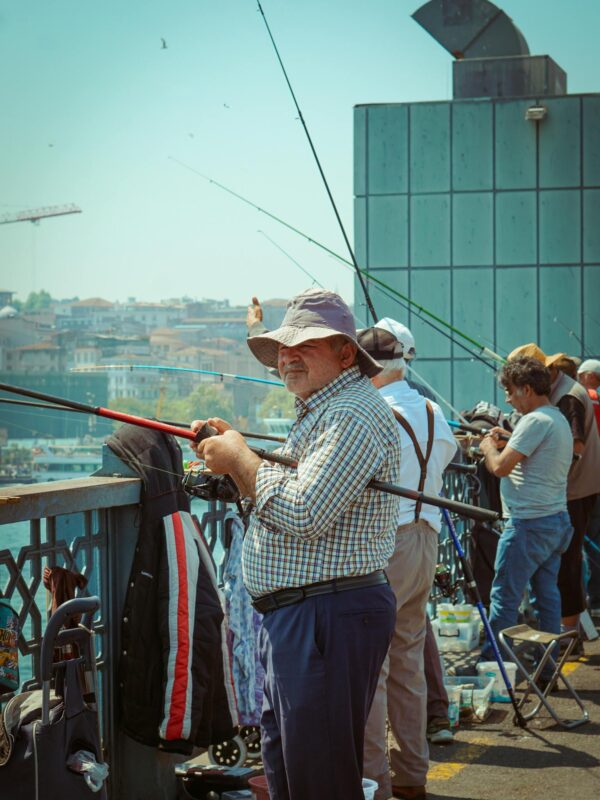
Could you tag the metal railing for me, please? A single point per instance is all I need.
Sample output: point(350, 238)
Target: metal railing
point(89, 526)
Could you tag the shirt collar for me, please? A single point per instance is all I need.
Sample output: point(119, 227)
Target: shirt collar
point(322, 395)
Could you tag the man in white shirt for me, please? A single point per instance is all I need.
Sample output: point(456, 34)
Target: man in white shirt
point(428, 446)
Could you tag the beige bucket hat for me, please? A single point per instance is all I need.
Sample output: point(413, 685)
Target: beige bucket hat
point(313, 314)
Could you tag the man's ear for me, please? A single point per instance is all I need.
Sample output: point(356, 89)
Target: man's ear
point(347, 354)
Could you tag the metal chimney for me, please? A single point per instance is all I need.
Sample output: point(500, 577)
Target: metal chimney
point(492, 55)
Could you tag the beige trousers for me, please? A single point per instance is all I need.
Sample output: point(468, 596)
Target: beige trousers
point(401, 694)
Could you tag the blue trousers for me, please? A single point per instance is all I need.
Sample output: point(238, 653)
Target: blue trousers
point(529, 550)
point(322, 658)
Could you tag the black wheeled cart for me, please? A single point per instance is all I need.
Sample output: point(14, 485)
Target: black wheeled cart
point(44, 728)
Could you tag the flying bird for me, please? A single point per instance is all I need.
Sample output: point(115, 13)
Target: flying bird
point(164, 44)
point(225, 104)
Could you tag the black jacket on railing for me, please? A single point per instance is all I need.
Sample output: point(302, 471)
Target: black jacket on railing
point(172, 688)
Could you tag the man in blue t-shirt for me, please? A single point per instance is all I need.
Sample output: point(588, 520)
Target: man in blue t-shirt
point(533, 468)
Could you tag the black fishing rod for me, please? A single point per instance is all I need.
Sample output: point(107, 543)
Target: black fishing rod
point(477, 431)
point(322, 173)
point(464, 509)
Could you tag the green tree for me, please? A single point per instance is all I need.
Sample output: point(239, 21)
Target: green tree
point(278, 403)
point(205, 401)
point(36, 301)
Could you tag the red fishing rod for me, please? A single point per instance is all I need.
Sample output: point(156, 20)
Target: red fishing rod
point(464, 509)
point(100, 411)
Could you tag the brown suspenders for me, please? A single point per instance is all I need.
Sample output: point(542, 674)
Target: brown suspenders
point(422, 459)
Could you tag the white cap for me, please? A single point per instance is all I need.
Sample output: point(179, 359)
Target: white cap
point(589, 365)
point(401, 333)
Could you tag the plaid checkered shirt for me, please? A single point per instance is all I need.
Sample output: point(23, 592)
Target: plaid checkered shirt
point(320, 521)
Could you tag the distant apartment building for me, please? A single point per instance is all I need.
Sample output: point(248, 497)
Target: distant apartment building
point(93, 314)
point(35, 358)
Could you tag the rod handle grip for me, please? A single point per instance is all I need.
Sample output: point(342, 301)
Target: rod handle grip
point(205, 432)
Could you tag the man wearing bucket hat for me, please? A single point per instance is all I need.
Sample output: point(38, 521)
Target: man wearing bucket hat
point(316, 546)
point(583, 483)
point(428, 445)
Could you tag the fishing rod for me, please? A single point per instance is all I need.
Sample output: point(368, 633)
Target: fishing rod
point(100, 367)
point(471, 584)
point(321, 172)
point(478, 431)
point(265, 436)
point(401, 303)
point(409, 366)
point(387, 294)
point(359, 273)
point(457, 507)
point(415, 307)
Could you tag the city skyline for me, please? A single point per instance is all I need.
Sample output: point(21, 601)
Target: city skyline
point(107, 117)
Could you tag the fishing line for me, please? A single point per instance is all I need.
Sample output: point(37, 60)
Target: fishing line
point(572, 334)
point(389, 296)
point(414, 372)
point(435, 391)
point(413, 304)
point(322, 173)
point(292, 259)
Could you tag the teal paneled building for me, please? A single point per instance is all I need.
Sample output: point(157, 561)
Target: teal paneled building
point(485, 210)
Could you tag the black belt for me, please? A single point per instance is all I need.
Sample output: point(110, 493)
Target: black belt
point(287, 597)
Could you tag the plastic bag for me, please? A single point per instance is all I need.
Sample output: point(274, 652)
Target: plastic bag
point(84, 762)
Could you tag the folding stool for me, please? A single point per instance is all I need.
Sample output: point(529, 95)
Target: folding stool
point(547, 641)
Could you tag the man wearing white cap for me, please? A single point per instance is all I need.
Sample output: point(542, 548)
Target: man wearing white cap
point(588, 374)
point(427, 447)
point(316, 546)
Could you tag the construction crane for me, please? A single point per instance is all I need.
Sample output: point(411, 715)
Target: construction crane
point(36, 214)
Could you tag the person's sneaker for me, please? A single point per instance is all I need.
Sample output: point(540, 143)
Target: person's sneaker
point(438, 731)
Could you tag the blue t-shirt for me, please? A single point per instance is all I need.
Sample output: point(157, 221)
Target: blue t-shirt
point(537, 486)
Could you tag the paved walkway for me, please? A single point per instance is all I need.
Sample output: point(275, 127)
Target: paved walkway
point(494, 760)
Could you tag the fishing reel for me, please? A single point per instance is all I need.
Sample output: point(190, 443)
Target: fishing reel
point(208, 486)
point(443, 581)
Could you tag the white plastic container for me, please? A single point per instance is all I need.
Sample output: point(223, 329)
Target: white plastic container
point(492, 670)
point(475, 694)
point(455, 612)
point(456, 637)
point(369, 788)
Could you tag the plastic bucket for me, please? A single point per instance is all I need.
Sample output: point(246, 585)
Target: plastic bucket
point(492, 670)
point(455, 612)
point(369, 788)
point(259, 787)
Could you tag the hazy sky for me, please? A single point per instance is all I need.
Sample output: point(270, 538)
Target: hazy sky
point(94, 109)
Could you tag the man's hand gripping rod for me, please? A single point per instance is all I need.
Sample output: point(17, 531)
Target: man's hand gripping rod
point(463, 509)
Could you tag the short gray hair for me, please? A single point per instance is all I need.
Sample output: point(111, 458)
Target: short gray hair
point(393, 365)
